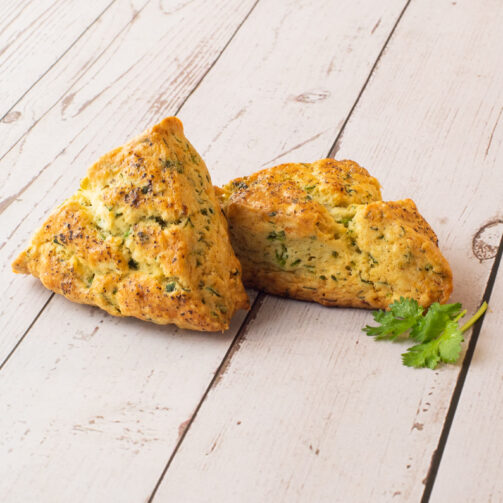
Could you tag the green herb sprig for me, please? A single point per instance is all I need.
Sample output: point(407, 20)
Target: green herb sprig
point(436, 330)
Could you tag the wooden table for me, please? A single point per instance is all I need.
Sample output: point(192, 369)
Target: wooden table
point(294, 402)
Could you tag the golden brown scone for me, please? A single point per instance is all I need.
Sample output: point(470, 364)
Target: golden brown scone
point(321, 232)
point(143, 236)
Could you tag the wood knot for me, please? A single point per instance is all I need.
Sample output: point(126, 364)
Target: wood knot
point(313, 96)
point(183, 426)
point(67, 101)
point(486, 241)
point(11, 117)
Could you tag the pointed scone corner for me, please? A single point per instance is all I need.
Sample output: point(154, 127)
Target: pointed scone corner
point(143, 236)
point(321, 232)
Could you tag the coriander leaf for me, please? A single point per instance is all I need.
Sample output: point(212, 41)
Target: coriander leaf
point(431, 325)
point(445, 348)
point(450, 343)
point(406, 308)
point(421, 355)
point(436, 331)
point(402, 316)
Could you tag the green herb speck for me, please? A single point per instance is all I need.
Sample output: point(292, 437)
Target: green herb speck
point(281, 256)
point(273, 235)
point(160, 221)
point(240, 185)
point(345, 221)
point(213, 291)
point(170, 164)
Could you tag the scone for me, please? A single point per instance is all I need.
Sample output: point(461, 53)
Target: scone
point(143, 236)
point(321, 232)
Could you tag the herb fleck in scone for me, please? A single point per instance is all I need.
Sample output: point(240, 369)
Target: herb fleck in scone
point(321, 232)
point(143, 236)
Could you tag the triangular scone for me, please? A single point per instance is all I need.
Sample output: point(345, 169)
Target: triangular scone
point(321, 232)
point(143, 236)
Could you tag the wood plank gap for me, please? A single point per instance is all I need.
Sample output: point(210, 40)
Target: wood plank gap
point(45, 73)
point(233, 347)
point(217, 58)
point(261, 296)
point(49, 68)
point(436, 458)
point(98, 57)
point(26, 331)
point(415, 427)
point(335, 146)
point(176, 113)
point(2, 364)
point(6, 202)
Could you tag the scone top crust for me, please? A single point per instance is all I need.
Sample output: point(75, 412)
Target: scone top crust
point(321, 232)
point(301, 195)
point(289, 187)
point(143, 237)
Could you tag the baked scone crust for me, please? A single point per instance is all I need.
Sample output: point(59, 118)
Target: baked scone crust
point(321, 232)
point(143, 236)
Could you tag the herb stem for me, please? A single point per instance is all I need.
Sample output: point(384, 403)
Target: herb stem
point(475, 317)
point(460, 315)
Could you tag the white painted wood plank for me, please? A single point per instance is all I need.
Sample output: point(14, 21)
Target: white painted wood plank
point(90, 411)
point(280, 112)
point(33, 35)
point(58, 459)
point(471, 469)
point(309, 408)
point(144, 75)
point(61, 77)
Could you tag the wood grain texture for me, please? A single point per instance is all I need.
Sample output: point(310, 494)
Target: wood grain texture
point(134, 83)
point(59, 79)
point(110, 366)
point(90, 411)
point(310, 61)
point(33, 36)
point(309, 408)
point(472, 466)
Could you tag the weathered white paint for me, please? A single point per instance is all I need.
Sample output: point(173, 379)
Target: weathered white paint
point(309, 408)
point(471, 469)
point(310, 61)
point(71, 66)
point(97, 372)
point(92, 406)
point(33, 36)
point(131, 85)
